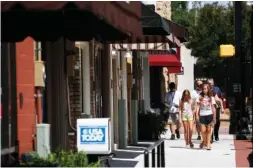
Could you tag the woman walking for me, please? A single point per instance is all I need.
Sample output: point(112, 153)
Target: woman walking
point(186, 116)
point(206, 115)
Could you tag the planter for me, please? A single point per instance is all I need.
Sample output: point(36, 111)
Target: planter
point(150, 126)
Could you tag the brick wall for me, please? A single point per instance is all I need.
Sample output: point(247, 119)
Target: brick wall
point(25, 86)
point(164, 9)
point(75, 96)
point(75, 101)
point(92, 81)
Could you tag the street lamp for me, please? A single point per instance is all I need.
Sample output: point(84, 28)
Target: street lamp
point(242, 125)
point(250, 157)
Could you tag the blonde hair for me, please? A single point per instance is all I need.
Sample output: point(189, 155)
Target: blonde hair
point(186, 92)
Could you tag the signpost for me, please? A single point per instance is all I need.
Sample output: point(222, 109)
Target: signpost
point(93, 135)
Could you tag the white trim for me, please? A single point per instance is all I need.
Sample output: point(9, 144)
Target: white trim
point(174, 39)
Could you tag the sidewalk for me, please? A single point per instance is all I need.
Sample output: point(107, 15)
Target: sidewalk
point(225, 153)
point(221, 155)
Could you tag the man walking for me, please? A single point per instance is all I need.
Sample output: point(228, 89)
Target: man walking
point(219, 108)
point(172, 99)
point(195, 95)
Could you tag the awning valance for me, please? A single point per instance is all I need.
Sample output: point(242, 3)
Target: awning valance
point(76, 20)
point(153, 23)
point(165, 60)
point(178, 31)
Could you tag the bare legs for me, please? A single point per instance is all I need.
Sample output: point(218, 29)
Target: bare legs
point(206, 135)
point(186, 136)
point(188, 126)
point(198, 129)
point(209, 134)
point(172, 129)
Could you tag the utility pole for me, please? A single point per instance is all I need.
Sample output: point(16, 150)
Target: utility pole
point(250, 157)
point(242, 126)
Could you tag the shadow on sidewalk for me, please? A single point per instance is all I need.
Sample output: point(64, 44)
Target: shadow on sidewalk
point(129, 157)
point(182, 147)
point(123, 163)
point(125, 158)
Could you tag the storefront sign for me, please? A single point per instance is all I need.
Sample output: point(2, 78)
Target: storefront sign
point(93, 135)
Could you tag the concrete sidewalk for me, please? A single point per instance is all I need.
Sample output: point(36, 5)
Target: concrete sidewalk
point(221, 155)
point(176, 155)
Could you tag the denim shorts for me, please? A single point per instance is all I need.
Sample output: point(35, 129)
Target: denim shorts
point(206, 120)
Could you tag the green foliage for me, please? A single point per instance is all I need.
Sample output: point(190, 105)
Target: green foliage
point(60, 158)
point(180, 13)
point(209, 27)
point(150, 125)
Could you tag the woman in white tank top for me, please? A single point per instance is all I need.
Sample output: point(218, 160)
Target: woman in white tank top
point(186, 116)
point(206, 115)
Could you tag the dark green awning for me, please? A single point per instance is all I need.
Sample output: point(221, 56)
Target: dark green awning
point(153, 23)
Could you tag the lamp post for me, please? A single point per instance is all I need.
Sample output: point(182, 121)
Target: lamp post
point(242, 125)
point(250, 157)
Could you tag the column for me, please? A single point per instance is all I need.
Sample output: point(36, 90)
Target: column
point(56, 93)
point(115, 70)
point(85, 46)
point(122, 109)
point(134, 102)
point(107, 88)
point(146, 81)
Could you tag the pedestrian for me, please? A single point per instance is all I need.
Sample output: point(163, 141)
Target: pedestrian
point(218, 108)
point(186, 116)
point(206, 115)
point(195, 95)
point(172, 100)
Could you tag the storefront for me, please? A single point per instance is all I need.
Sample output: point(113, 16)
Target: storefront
point(54, 23)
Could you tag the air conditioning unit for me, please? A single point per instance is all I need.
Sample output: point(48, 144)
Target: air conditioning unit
point(39, 73)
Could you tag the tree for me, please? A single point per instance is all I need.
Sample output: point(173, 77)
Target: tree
point(216, 26)
point(210, 26)
point(180, 14)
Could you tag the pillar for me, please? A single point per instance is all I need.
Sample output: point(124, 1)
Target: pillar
point(56, 93)
point(115, 70)
point(122, 109)
point(146, 81)
point(107, 88)
point(134, 101)
point(85, 46)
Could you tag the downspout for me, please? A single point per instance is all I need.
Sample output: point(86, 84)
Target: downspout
point(67, 87)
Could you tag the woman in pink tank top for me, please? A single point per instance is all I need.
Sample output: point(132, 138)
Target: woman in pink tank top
point(186, 116)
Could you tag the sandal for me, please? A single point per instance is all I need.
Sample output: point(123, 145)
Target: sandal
point(191, 145)
point(201, 145)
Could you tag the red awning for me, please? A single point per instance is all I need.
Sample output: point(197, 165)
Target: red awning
point(70, 19)
point(166, 60)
